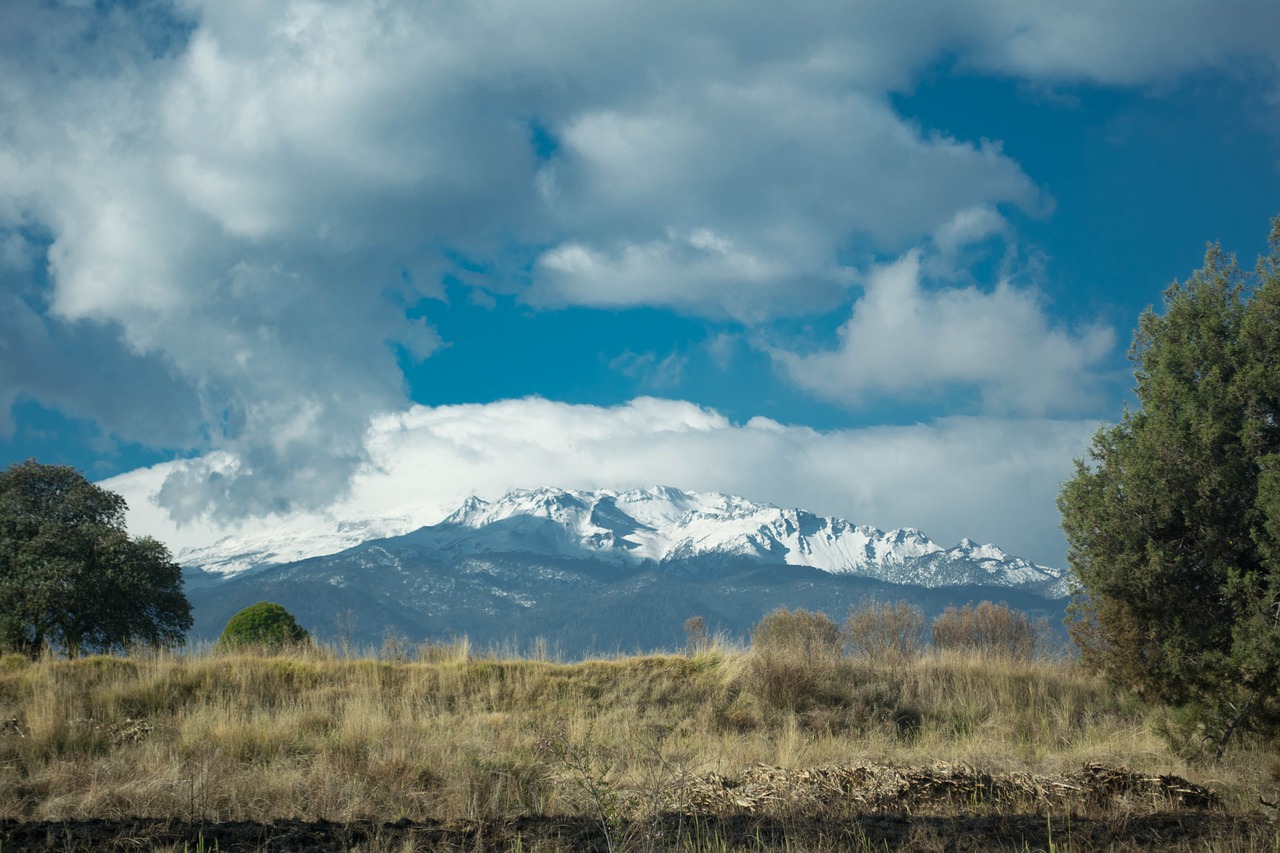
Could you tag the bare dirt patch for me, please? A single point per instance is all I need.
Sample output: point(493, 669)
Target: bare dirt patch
point(898, 832)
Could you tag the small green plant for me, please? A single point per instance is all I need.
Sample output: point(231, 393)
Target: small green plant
point(262, 624)
point(201, 847)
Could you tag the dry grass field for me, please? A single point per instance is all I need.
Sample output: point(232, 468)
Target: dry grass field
point(725, 749)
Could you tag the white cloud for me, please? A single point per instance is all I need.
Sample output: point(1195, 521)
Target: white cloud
point(905, 341)
point(1134, 43)
point(228, 191)
point(697, 273)
point(968, 226)
point(189, 329)
point(725, 199)
point(987, 478)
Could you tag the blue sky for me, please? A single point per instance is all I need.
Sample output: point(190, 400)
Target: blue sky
point(879, 260)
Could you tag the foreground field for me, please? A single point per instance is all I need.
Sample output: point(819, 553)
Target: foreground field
point(716, 751)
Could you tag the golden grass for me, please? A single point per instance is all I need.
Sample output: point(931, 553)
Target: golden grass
point(315, 736)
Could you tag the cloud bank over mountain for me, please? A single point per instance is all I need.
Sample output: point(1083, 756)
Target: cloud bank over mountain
point(983, 478)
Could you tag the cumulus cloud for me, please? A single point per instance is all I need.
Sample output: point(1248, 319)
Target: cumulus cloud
point(987, 478)
point(742, 196)
point(186, 328)
point(241, 199)
point(904, 340)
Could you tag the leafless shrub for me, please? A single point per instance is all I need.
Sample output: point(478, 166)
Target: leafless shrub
point(885, 631)
point(696, 637)
point(794, 654)
point(991, 629)
point(812, 636)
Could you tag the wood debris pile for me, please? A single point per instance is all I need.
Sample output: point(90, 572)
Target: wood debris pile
point(125, 731)
point(1111, 783)
point(877, 788)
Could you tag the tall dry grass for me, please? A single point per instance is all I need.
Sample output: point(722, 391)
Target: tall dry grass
point(450, 735)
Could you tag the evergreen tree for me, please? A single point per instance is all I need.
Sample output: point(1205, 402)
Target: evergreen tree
point(1173, 519)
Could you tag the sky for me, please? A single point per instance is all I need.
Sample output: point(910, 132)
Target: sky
point(880, 260)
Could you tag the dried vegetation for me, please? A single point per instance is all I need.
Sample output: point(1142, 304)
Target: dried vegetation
point(800, 747)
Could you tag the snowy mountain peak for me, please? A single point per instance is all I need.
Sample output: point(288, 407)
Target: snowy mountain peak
point(470, 507)
point(665, 525)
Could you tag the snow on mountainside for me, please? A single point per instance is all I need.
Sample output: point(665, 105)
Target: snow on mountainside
point(661, 525)
point(293, 540)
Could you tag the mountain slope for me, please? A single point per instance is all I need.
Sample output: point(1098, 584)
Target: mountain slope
point(578, 607)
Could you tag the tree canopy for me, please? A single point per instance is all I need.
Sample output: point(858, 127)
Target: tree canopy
point(70, 575)
point(264, 623)
point(1173, 518)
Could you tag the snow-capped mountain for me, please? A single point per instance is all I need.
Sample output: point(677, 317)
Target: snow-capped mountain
point(591, 571)
point(660, 526)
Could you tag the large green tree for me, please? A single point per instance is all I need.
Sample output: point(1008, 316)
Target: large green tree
point(70, 575)
point(1173, 518)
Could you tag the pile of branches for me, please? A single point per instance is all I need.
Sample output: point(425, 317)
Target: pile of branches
point(879, 789)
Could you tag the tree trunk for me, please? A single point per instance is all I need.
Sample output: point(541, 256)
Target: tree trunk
point(1233, 725)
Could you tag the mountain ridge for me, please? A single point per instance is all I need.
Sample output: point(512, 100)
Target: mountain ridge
point(660, 525)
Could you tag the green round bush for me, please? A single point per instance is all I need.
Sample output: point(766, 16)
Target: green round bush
point(265, 623)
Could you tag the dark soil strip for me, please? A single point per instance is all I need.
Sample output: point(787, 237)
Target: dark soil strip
point(1169, 831)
